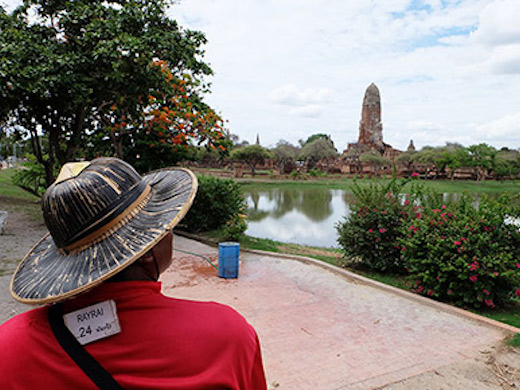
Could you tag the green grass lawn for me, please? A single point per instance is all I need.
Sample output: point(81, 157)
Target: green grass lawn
point(328, 255)
point(510, 315)
point(13, 198)
point(9, 190)
point(490, 187)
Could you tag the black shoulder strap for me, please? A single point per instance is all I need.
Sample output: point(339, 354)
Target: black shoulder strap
point(85, 361)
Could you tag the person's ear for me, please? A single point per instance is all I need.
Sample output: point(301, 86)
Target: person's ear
point(163, 252)
point(147, 258)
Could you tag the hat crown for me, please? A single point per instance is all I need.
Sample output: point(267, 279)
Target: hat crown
point(73, 205)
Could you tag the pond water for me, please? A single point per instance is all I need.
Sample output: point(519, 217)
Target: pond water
point(304, 216)
point(294, 215)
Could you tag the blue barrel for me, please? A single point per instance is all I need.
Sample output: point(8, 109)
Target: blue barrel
point(228, 259)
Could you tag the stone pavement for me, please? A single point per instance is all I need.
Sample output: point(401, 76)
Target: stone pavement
point(320, 329)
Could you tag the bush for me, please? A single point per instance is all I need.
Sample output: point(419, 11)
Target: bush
point(317, 173)
point(463, 254)
point(372, 231)
point(235, 227)
point(219, 204)
point(31, 176)
point(295, 175)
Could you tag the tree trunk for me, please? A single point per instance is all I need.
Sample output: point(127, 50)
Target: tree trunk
point(117, 142)
point(49, 171)
point(48, 164)
point(75, 139)
point(35, 144)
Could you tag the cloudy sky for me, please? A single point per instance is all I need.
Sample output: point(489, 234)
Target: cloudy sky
point(447, 70)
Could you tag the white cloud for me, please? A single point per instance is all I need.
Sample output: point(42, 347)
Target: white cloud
point(310, 110)
point(306, 102)
point(498, 36)
point(290, 95)
point(499, 23)
point(288, 69)
point(503, 129)
point(506, 59)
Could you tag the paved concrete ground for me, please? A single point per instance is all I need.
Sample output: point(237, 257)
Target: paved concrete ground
point(320, 330)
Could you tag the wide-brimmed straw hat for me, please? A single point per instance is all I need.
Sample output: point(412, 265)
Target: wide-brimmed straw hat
point(101, 216)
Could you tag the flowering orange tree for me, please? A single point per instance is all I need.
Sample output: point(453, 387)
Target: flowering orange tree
point(165, 126)
point(83, 75)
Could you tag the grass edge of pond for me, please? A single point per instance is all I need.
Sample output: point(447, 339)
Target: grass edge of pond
point(440, 186)
point(514, 341)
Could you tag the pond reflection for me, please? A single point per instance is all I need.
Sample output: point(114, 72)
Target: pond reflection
point(304, 216)
point(301, 216)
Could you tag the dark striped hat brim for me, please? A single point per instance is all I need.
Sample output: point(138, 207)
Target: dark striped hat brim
point(47, 275)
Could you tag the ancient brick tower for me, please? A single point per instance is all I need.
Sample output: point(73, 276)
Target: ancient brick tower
point(371, 126)
point(370, 129)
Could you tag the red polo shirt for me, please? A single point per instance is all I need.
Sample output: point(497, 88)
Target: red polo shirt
point(164, 343)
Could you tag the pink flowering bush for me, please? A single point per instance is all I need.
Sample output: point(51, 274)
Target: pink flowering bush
point(464, 254)
point(371, 232)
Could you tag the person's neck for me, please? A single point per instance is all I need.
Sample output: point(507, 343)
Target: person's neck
point(133, 273)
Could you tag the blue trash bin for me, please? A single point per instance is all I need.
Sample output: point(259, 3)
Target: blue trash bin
point(228, 253)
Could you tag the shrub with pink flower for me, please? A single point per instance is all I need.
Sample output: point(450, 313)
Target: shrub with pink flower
point(456, 252)
point(489, 303)
point(372, 231)
point(464, 254)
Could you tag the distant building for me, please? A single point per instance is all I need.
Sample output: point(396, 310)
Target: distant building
point(371, 128)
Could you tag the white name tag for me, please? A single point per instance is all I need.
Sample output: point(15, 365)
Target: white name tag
point(94, 322)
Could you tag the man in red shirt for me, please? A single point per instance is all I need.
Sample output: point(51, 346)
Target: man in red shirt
point(110, 239)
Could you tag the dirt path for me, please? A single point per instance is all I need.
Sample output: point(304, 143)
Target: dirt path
point(23, 229)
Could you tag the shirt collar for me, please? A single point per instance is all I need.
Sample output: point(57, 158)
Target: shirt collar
point(118, 291)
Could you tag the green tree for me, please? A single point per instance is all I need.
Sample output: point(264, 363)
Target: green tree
point(11, 143)
point(373, 157)
point(453, 155)
point(285, 154)
point(318, 148)
point(252, 155)
point(116, 67)
point(436, 156)
point(314, 137)
point(507, 163)
point(482, 158)
point(406, 158)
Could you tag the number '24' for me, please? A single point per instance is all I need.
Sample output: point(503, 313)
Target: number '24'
point(83, 332)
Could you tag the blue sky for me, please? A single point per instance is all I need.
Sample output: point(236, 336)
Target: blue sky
point(448, 71)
